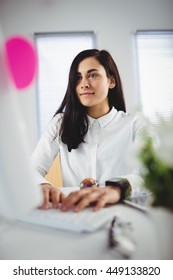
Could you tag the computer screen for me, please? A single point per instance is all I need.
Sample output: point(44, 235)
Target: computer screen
point(18, 189)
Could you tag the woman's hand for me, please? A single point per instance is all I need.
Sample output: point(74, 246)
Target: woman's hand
point(51, 194)
point(100, 196)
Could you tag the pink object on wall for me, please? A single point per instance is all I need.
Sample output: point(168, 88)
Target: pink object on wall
point(21, 60)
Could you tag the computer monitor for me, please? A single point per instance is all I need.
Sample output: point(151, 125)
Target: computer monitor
point(19, 192)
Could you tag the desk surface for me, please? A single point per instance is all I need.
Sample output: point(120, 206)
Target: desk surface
point(25, 241)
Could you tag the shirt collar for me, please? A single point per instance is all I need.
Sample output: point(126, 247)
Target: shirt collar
point(104, 120)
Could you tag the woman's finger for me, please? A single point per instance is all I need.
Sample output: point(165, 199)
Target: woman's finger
point(55, 197)
point(110, 196)
point(73, 198)
point(85, 197)
point(101, 202)
point(46, 196)
point(81, 199)
point(88, 199)
point(62, 197)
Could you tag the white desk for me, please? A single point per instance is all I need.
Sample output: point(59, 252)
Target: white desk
point(24, 241)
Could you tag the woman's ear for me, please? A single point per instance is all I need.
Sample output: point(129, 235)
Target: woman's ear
point(112, 82)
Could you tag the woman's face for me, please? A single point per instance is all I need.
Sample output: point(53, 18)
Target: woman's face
point(93, 85)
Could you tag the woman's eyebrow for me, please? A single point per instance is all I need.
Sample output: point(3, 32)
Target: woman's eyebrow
point(89, 71)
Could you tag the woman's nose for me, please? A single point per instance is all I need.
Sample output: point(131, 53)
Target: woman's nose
point(85, 83)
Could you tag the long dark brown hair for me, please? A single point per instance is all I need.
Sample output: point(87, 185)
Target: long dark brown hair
point(74, 124)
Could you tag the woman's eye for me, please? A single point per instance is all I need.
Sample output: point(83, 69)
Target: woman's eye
point(91, 76)
point(78, 78)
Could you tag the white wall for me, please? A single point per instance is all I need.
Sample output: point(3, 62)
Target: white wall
point(114, 22)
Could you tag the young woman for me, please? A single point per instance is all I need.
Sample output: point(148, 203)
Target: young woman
point(92, 133)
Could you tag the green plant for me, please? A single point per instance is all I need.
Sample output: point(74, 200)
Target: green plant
point(156, 172)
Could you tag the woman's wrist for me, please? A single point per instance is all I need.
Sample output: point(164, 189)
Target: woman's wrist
point(117, 191)
point(123, 185)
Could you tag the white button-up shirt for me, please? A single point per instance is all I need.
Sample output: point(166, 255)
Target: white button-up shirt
point(102, 156)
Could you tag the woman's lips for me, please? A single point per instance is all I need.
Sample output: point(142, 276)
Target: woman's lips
point(86, 93)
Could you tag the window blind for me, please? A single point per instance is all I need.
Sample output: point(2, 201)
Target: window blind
point(155, 68)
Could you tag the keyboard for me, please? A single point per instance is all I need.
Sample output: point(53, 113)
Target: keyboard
point(84, 221)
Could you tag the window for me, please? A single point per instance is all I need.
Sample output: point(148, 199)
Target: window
point(55, 54)
point(155, 65)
